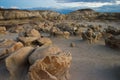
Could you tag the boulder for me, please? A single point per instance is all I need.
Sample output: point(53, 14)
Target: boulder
point(43, 51)
point(72, 44)
point(52, 67)
point(66, 34)
point(53, 30)
point(58, 34)
point(15, 47)
point(2, 29)
point(32, 33)
point(63, 34)
point(7, 47)
point(16, 63)
point(113, 42)
point(17, 29)
point(113, 30)
point(44, 41)
point(7, 43)
point(8, 50)
point(78, 32)
point(27, 41)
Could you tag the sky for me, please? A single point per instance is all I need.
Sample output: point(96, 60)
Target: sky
point(63, 4)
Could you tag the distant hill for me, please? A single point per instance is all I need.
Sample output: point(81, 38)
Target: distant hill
point(61, 11)
point(48, 14)
point(109, 8)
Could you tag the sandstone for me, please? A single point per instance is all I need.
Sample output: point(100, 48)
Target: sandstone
point(5, 46)
point(44, 41)
point(27, 41)
point(53, 67)
point(43, 51)
point(16, 29)
point(113, 42)
point(15, 47)
point(17, 61)
point(2, 30)
point(5, 51)
point(7, 43)
point(32, 33)
point(66, 34)
point(113, 30)
point(72, 44)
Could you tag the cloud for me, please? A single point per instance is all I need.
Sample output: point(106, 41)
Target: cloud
point(1, 6)
point(84, 4)
point(118, 2)
point(14, 7)
point(64, 1)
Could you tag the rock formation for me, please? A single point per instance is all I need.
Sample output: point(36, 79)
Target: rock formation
point(113, 42)
point(53, 67)
point(2, 30)
point(8, 47)
point(43, 51)
point(44, 41)
point(83, 14)
point(17, 62)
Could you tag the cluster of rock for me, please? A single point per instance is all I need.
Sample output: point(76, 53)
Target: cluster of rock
point(113, 40)
point(83, 14)
point(91, 15)
point(32, 57)
point(26, 14)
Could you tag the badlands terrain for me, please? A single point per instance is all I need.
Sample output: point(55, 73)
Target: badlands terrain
point(46, 45)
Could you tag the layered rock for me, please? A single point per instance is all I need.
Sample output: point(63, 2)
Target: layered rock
point(89, 14)
point(23, 14)
point(82, 14)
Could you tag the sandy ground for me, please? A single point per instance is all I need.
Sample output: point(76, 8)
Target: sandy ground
point(91, 61)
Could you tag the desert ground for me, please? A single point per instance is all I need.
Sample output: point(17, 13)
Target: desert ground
point(89, 61)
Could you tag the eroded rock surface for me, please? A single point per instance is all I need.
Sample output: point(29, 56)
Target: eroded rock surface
point(44, 41)
point(17, 62)
point(8, 47)
point(113, 42)
point(53, 67)
point(2, 30)
point(43, 51)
